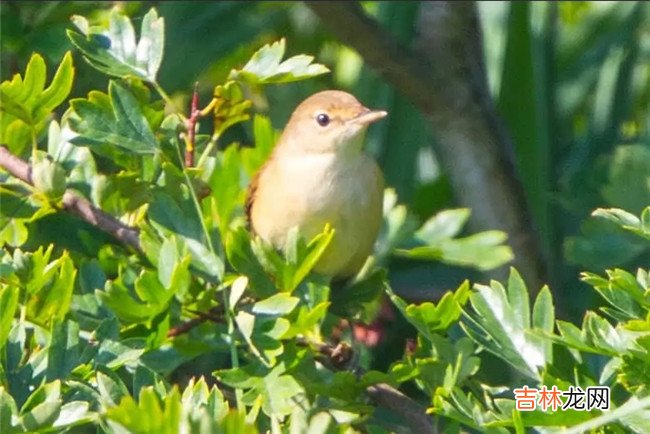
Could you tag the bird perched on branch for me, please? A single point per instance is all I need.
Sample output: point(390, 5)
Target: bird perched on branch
point(318, 175)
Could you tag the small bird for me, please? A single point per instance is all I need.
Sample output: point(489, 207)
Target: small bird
point(318, 175)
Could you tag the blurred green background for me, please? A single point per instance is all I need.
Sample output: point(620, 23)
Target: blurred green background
point(571, 79)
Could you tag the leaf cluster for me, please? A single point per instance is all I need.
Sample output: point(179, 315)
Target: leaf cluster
point(205, 329)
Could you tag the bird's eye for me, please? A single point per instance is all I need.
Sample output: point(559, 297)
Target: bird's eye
point(322, 119)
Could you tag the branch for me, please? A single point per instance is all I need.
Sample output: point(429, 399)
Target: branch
point(75, 204)
point(215, 315)
point(445, 79)
point(341, 356)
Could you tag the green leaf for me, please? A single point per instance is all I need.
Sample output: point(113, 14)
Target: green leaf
point(399, 225)
point(149, 52)
point(63, 353)
point(125, 353)
point(246, 324)
point(602, 244)
point(204, 404)
point(241, 257)
point(123, 124)
point(173, 269)
point(153, 297)
point(308, 260)
point(484, 251)
point(622, 291)
point(172, 219)
point(42, 407)
point(360, 297)
point(618, 216)
point(627, 220)
point(42, 416)
point(225, 185)
point(430, 319)
point(278, 304)
point(168, 257)
point(237, 290)
point(57, 91)
point(28, 100)
point(231, 107)
point(306, 320)
point(607, 338)
point(444, 225)
point(8, 306)
point(544, 311)
point(518, 298)
point(52, 301)
point(300, 258)
point(116, 53)
point(14, 232)
point(433, 241)
point(265, 139)
point(150, 414)
point(628, 186)
point(48, 176)
point(266, 67)
point(544, 319)
point(279, 392)
point(8, 410)
point(633, 413)
point(16, 134)
point(111, 389)
point(502, 329)
point(74, 413)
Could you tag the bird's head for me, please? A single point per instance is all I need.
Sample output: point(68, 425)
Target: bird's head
point(331, 121)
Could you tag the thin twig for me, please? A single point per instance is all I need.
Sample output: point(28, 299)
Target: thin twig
point(341, 356)
point(215, 315)
point(75, 204)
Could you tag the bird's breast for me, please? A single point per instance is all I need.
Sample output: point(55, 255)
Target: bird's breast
point(309, 191)
point(328, 186)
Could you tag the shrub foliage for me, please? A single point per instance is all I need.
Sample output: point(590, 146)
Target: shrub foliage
point(161, 314)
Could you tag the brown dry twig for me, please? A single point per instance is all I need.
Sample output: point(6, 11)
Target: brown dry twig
point(75, 204)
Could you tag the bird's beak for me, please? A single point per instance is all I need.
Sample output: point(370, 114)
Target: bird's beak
point(369, 116)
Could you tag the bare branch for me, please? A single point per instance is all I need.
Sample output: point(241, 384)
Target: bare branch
point(75, 204)
point(15, 165)
point(445, 79)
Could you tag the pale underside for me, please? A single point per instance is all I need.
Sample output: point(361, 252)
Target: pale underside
point(310, 190)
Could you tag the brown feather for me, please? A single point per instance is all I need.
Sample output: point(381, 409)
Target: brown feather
point(250, 198)
point(251, 194)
